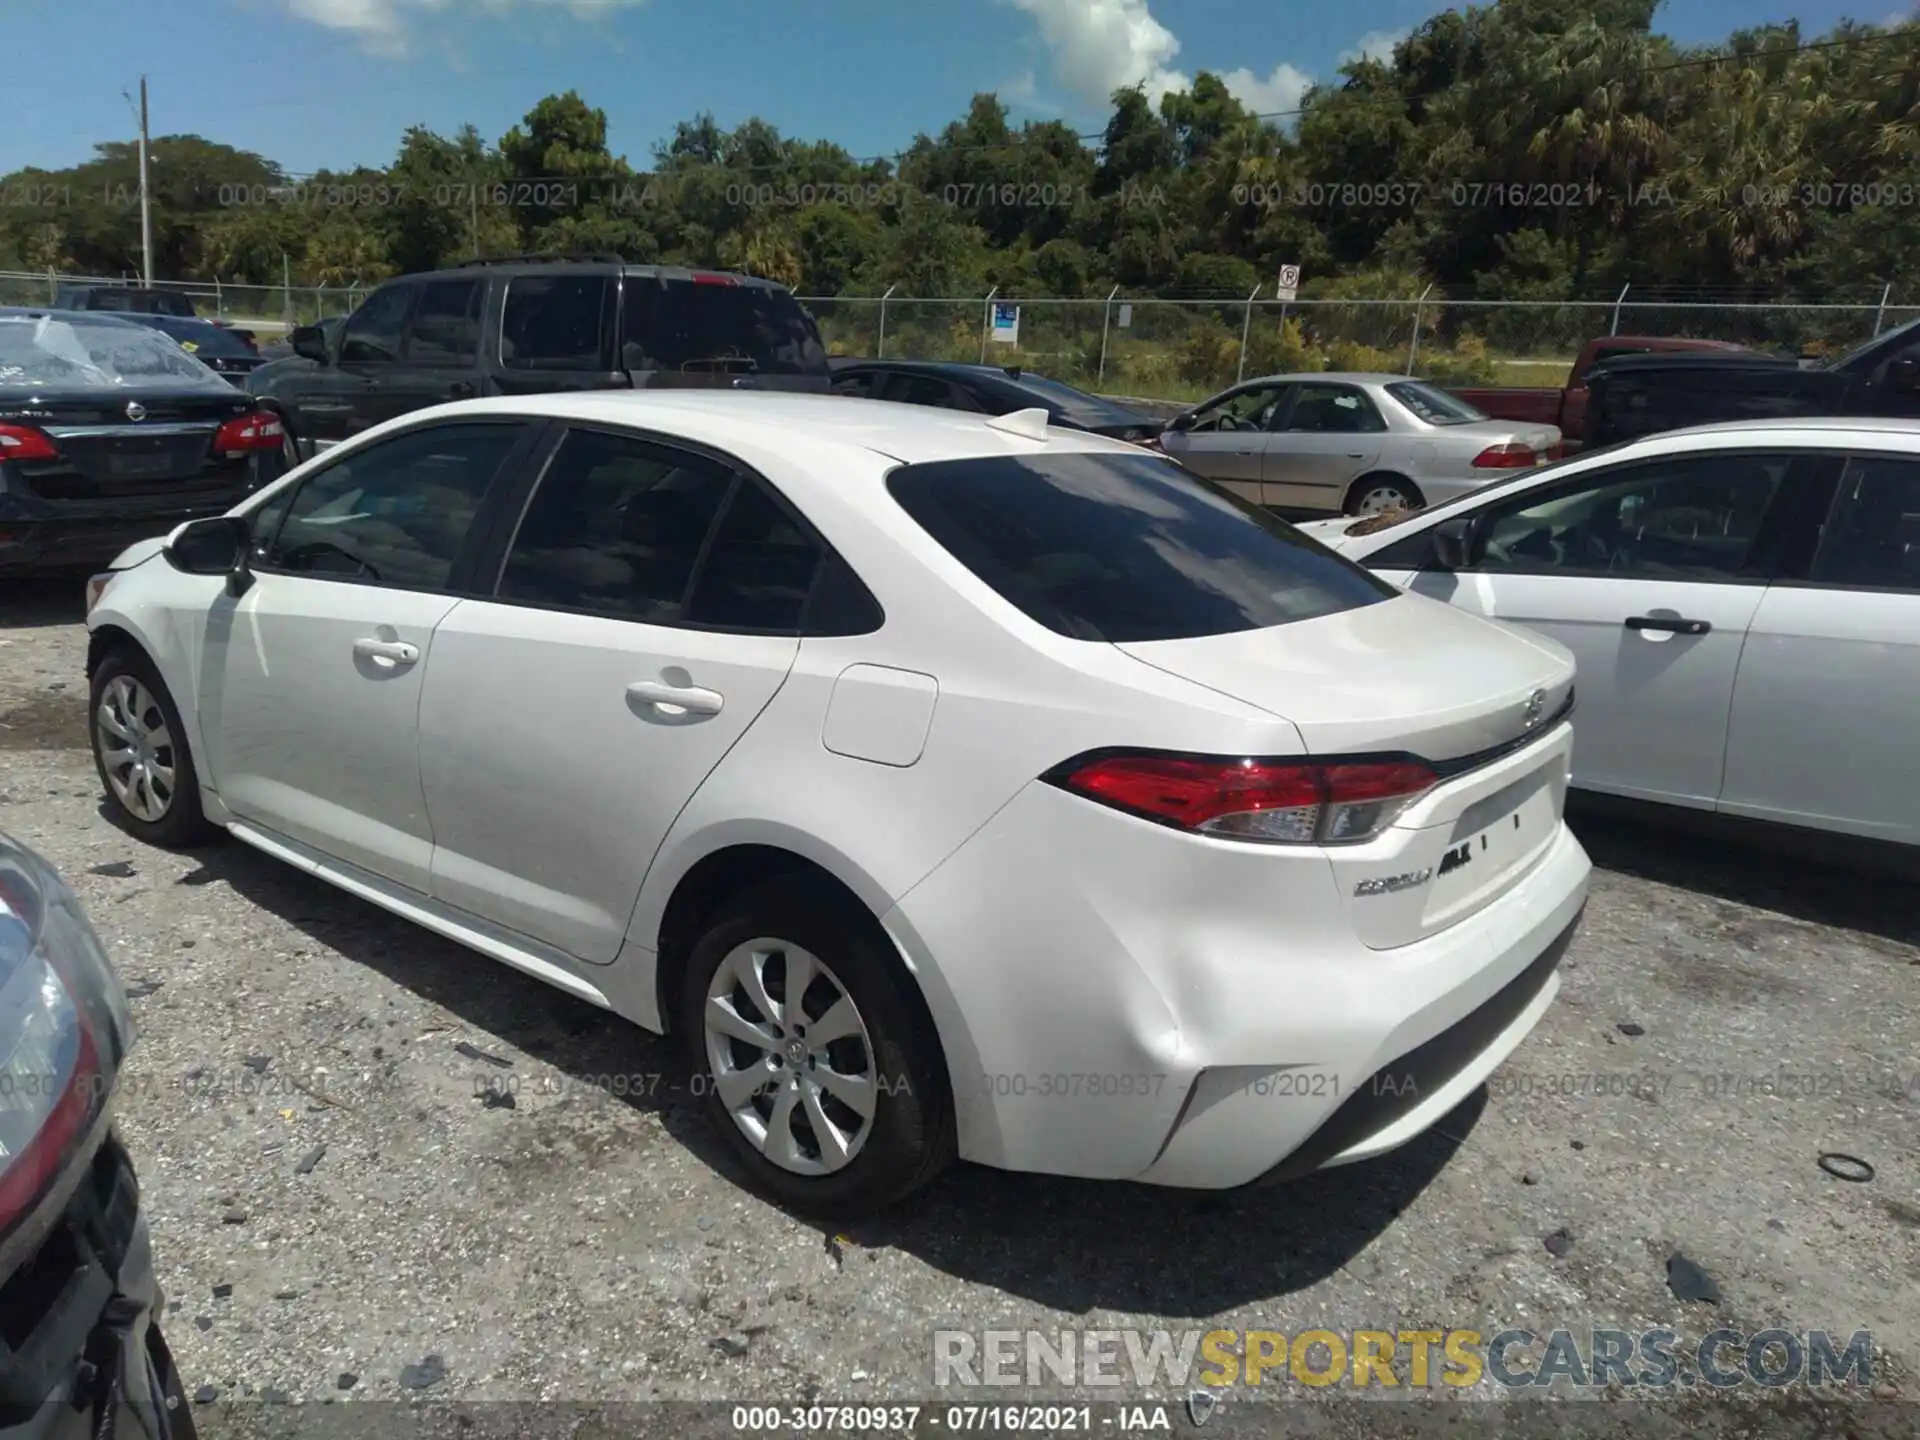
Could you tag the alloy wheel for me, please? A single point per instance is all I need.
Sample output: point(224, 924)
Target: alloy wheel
point(789, 1056)
point(136, 748)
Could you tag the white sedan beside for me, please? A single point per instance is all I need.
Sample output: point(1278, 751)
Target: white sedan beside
point(1357, 443)
point(1744, 601)
point(947, 784)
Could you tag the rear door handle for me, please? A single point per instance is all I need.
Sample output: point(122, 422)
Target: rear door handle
point(1673, 627)
point(398, 651)
point(676, 699)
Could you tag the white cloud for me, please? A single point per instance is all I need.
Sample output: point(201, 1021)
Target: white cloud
point(1375, 45)
point(1100, 46)
point(381, 25)
point(1279, 93)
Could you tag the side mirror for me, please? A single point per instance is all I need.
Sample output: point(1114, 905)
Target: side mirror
point(1182, 422)
point(309, 342)
point(216, 545)
point(1453, 543)
point(1904, 375)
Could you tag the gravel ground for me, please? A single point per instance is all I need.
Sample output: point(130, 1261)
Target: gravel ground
point(344, 1207)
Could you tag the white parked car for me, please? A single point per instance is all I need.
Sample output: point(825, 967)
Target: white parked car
point(1352, 443)
point(1743, 599)
point(948, 783)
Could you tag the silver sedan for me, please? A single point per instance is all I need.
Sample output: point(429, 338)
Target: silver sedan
point(1355, 443)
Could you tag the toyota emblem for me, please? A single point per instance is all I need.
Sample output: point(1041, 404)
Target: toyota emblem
point(1536, 707)
point(136, 411)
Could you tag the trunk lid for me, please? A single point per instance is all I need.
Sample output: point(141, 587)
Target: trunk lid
point(1482, 702)
point(106, 453)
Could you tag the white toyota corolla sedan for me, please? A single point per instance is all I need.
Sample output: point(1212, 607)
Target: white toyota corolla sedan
point(948, 784)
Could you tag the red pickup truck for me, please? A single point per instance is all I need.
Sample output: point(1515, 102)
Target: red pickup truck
point(1568, 408)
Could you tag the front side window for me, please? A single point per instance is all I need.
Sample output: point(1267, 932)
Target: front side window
point(1684, 517)
point(1872, 537)
point(396, 513)
point(615, 528)
point(928, 390)
point(1126, 548)
point(1255, 408)
point(557, 322)
point(372, 334)
point(1333, 410)
point(445, 329)
point(860, 384)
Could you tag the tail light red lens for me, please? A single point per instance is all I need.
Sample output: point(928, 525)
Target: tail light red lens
point(261, 430)
point(1505, 457)
point(23, 442)
point(1272, 802)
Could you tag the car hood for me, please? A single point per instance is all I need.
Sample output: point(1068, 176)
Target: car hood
point(1406, 674)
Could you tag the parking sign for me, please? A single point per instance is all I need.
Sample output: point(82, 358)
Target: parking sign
point(1006, 324)
point(1289, 286)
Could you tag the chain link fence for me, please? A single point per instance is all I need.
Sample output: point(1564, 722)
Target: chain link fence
point(1185, 349)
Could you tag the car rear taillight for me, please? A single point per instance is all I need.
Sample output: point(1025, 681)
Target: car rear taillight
point(260, 430)
point(1282, 802)
point(1505, 457)
point(23, 442)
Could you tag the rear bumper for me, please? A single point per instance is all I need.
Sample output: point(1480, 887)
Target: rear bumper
point(1119, 1001)
point(38, 537)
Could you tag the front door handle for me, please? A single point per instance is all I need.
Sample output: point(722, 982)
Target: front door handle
point(676, 699)
point(1672, 627)
point(1356, 454)
point(397, 651)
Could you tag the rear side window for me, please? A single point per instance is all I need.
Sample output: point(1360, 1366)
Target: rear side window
point(207, 340)
point(1126, 548)
point(704, 327)
point(557, 322)
point(1872, 538)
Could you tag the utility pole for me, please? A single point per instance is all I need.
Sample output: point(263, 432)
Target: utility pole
point(146, 206)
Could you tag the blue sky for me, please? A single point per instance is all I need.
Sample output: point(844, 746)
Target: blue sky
point(314, 83)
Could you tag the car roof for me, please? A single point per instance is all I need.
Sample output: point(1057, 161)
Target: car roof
point(1344, 377)
point(89, 317)
point(730, 419)
point(1827, 427)
point(563, 266)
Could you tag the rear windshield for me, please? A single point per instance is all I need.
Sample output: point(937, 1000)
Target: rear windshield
point(1126, 548)
point(38, 350)
point(1434, 405)
point(681, 325)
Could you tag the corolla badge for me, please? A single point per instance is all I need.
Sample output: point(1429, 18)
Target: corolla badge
point(1393, 884)
point(136, 411)
point(1536, 707)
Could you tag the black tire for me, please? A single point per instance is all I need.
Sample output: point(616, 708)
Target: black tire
point(184, 824)
point(912, 1135)
point(1369, 484)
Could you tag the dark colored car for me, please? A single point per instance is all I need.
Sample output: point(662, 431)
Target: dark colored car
point(81, 1353)
point(110, 433)
point(1646, 394)
point(989, 390)
point(529, 325)
point(220, 349)
point(138, 300)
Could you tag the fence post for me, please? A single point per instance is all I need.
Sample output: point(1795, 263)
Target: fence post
point(286, 292)
point(1616, 308)
point(53, 286)
point(1880, 315)
point(986, 323)
point(1106, 323)
point(219, 299)
point(1413, 345)
point(880, 351)
point(1246, 330)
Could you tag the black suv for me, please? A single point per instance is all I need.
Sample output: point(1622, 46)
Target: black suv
point(989, 390)
point(532, 324)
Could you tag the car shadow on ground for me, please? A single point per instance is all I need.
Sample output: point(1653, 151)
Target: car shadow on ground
point(1821, 880)
point(1071, 1245)
point(44, 601)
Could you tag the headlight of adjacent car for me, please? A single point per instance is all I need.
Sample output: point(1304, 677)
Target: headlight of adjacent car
point(65, 1027)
